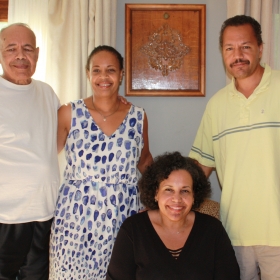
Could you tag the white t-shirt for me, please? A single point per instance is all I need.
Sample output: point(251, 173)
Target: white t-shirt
point(29, 173)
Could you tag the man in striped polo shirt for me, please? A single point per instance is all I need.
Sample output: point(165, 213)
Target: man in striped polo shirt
point(239, 136)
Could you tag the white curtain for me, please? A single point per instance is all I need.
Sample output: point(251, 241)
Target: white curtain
point(275, 40)
point(266, 12)
point(24, 11)
point(66, 31)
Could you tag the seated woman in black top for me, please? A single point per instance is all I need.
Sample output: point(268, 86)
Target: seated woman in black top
point(171, 240)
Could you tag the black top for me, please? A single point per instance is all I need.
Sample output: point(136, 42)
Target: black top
point(139, 253)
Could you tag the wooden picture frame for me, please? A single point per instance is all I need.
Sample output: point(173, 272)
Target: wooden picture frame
point(165, 49)
point(4, 4)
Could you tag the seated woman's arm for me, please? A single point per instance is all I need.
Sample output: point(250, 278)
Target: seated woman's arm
point(226, 266)
point(122, 265)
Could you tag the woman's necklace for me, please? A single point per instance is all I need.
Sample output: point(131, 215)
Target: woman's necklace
point(178, 231)
point(105, 117)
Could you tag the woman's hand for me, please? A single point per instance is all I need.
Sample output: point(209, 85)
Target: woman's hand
point(123, 100)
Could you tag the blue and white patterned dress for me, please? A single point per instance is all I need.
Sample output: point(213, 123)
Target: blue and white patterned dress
point(98, 193)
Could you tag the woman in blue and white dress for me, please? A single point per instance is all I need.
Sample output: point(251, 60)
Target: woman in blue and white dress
point(105, 142)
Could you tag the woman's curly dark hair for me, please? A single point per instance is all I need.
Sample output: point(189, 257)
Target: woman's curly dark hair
point(160, 170)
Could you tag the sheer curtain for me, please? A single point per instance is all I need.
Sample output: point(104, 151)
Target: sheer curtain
point(66, 31)
point(266, 12)
point(24, 11)
point(275, 40)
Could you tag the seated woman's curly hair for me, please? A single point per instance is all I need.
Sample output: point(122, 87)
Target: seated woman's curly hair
point(161, 169)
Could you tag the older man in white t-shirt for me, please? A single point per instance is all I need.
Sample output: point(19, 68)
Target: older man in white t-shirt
point(29, 175)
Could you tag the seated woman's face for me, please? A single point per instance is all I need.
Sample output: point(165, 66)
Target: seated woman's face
point(175, 195)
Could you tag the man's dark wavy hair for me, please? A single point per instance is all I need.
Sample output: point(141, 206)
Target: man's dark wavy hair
point(160, 170)
point(242, 20)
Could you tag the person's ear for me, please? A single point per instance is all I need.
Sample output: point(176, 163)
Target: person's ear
point(156, 197)
point(261, 51)
point(37, 53)
point(122, 76)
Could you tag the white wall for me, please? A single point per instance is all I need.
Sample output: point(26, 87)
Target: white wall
point(173, 121)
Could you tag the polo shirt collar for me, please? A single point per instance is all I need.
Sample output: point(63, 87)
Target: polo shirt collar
point(260, 88)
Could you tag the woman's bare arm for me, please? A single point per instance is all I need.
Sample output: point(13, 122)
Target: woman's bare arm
point(64, 124)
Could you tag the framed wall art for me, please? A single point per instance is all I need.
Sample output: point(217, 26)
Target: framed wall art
point(165, 49)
